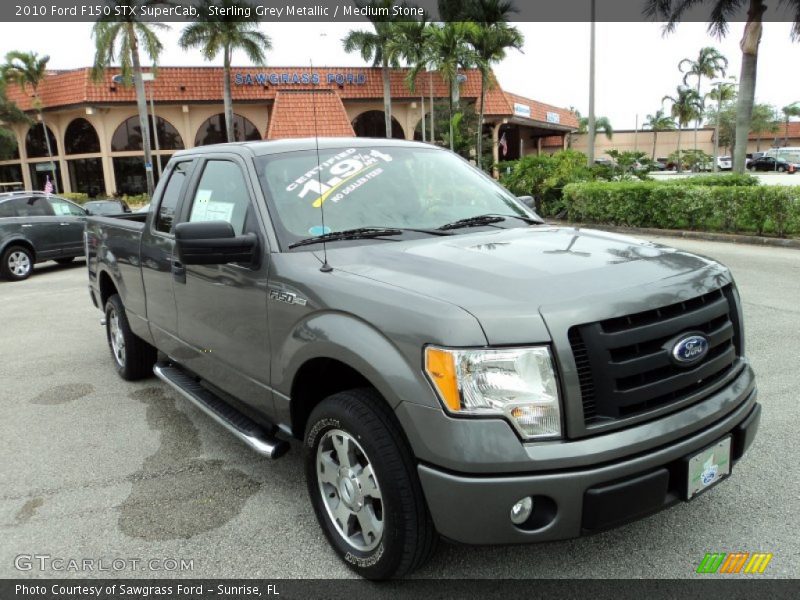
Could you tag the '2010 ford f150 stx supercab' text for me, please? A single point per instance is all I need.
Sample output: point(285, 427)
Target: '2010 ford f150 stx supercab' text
point(452, 365)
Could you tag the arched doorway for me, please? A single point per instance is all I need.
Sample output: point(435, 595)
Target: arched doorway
point(372, 123)
point(85, 173)
point(213, 131)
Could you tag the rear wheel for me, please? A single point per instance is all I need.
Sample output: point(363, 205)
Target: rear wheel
point(17, 263)
point(65, 261)
point(133, 357)
point(364, 487)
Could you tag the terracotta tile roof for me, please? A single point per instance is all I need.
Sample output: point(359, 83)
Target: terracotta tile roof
point(199, 84)
point(794, 132)
point(293, 116)
point(539, 110)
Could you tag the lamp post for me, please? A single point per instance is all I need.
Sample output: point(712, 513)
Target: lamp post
point(590, 127)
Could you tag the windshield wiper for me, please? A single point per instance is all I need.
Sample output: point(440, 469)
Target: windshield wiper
point(360, 233)
point(485, 220)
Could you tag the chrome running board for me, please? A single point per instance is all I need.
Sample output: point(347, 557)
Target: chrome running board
point(237, 423)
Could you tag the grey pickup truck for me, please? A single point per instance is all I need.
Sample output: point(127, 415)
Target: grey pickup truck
point(451, 365)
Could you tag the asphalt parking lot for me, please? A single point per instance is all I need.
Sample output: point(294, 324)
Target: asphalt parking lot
point(95, 467)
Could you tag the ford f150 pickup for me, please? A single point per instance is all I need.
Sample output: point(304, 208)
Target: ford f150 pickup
point(452, 365)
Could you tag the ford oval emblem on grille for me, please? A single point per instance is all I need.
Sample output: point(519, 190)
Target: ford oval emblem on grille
point(690, 349)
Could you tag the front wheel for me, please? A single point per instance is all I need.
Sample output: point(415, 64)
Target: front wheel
point(781, 169)
point(17, 263)
point(133, 357)
point(364, 487)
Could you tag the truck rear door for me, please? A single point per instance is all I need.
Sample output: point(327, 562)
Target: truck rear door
point(157, 257)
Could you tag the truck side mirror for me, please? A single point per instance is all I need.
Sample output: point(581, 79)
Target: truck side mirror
point(527, 201)
point(213, 243)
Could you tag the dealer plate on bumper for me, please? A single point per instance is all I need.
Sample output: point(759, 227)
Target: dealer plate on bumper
point(708, 467)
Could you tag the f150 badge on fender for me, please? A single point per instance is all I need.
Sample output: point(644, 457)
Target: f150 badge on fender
point(287, 297)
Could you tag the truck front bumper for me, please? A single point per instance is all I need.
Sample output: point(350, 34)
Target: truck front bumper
point(573, 502)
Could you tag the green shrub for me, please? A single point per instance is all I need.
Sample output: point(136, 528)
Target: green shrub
point(717, 179)
point(543, 177)
point(758, 209)
point(75, 197)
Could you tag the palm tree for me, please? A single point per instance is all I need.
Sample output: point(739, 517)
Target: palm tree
point(28, 69)
point(789, 111)
point(9, 112)
point(450, 51)
point(490, 40)
point(121, 38)
point(686, 106)
point(710, 63)
point(600, 124)
point(379, 47)
point(411, 44)
point(672, 11)
point(226, 34)
point(658, 121)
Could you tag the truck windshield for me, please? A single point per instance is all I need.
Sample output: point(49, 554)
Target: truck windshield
point(387, 187)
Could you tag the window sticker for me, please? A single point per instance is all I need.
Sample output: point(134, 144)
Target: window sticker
point(339, 175)
point(206, 209)
point(61, 209)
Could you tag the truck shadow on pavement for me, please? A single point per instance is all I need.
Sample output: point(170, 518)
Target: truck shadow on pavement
point(175, 494)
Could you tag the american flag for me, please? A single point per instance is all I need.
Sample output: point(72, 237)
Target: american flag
point(503, 144)
point(48, 186)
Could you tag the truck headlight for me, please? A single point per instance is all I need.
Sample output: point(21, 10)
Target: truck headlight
point(517, 383)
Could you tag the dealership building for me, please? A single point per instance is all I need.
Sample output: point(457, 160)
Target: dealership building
point(96, 139)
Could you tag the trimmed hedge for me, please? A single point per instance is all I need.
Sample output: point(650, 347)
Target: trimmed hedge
point(755, 208)
point(75, 197)
point(716, 179)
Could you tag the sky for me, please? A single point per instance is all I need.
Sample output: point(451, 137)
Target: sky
point(635, 67)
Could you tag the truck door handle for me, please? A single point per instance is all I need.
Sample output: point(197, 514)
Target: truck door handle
point(63, 223)
point(178, 271)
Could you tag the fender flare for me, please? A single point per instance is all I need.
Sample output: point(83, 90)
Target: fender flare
point(16, 239)
point(354, 342)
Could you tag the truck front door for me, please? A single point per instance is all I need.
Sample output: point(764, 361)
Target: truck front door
point(222, 309)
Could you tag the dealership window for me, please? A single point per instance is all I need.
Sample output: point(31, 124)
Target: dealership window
point(86, 176)
point(35, 144)
point(213, 131)
point(130, 174)
point(8, 145)
point(373, 124)
point(128, 136)
point(10, 178)
point(81, 138)
point(41, 170)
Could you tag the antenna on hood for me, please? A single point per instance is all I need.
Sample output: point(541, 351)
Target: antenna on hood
point(325, 268)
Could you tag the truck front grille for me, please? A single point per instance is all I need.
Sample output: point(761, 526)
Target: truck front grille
point(624, 364)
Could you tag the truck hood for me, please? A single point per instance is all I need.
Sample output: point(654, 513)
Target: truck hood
point(507, 277)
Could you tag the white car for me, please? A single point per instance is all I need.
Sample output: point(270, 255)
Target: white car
point(724, 163)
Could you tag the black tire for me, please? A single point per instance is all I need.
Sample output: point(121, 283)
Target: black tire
point(408, 537)
point(65, 261)
point(16, 263)
point(137, 357)
point(781, 169)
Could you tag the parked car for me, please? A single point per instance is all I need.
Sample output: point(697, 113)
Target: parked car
point(751, 156)
point(724, 163)
point(450, 364)
point(35, 227)
point(106, 207)
point(770, 163)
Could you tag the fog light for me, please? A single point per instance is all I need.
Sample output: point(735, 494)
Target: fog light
point(522, 510)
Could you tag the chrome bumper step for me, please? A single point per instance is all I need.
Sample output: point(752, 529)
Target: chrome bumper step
point(243, 427)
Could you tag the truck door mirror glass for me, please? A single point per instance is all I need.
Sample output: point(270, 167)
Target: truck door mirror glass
point(214, 243)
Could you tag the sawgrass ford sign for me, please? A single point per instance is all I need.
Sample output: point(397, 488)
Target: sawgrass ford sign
point(299, 78)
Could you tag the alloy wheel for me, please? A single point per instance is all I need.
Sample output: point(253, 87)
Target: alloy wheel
point(350, 490)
